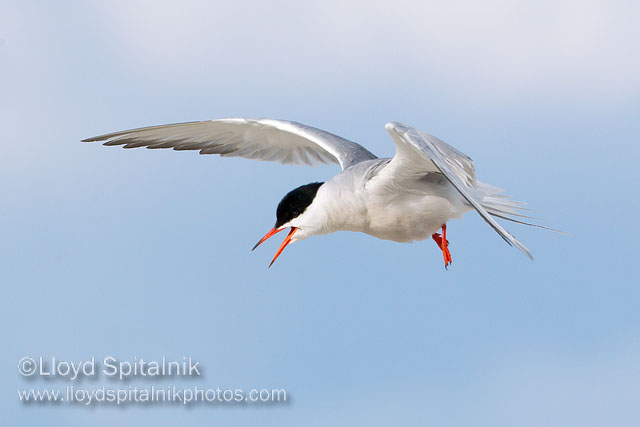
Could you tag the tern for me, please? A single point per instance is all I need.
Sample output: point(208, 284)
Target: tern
point(407, 198)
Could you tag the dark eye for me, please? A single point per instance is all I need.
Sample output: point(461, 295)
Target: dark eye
point(295, 203)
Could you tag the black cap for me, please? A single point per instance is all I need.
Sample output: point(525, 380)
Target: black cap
point(296, 202)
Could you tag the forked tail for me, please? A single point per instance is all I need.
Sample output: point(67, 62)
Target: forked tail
point(502, 206)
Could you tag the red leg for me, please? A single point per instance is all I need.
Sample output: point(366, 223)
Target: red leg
point(443, 244)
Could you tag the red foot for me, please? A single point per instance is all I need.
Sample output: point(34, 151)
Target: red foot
point(443, 244)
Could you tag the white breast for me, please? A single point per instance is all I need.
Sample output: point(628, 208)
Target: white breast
point(355, 201)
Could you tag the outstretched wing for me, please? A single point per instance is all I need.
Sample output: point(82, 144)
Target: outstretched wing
point(419, 153)
point(263, 139)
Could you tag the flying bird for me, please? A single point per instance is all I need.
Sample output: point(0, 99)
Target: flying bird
point(407, 198)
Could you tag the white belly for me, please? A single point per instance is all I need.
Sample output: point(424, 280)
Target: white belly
point(381, 210)
point(411, 219)
point(402, 215)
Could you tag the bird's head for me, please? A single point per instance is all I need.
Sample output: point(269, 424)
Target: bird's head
point(289, 214)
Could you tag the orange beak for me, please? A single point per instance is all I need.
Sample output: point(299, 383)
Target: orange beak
point(266, 236)
point(284, 244)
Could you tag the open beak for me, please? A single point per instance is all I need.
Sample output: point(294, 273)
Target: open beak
point(284, 244)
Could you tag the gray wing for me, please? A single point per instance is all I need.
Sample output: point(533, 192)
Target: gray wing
point(419, 152)
point(263, 139)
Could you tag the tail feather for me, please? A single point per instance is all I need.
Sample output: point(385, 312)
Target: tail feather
point(503, 206)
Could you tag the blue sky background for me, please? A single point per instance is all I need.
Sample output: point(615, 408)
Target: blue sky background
point(146, 253)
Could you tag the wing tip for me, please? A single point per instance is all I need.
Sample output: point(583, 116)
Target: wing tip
point(528, 254)
point(518, 244)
